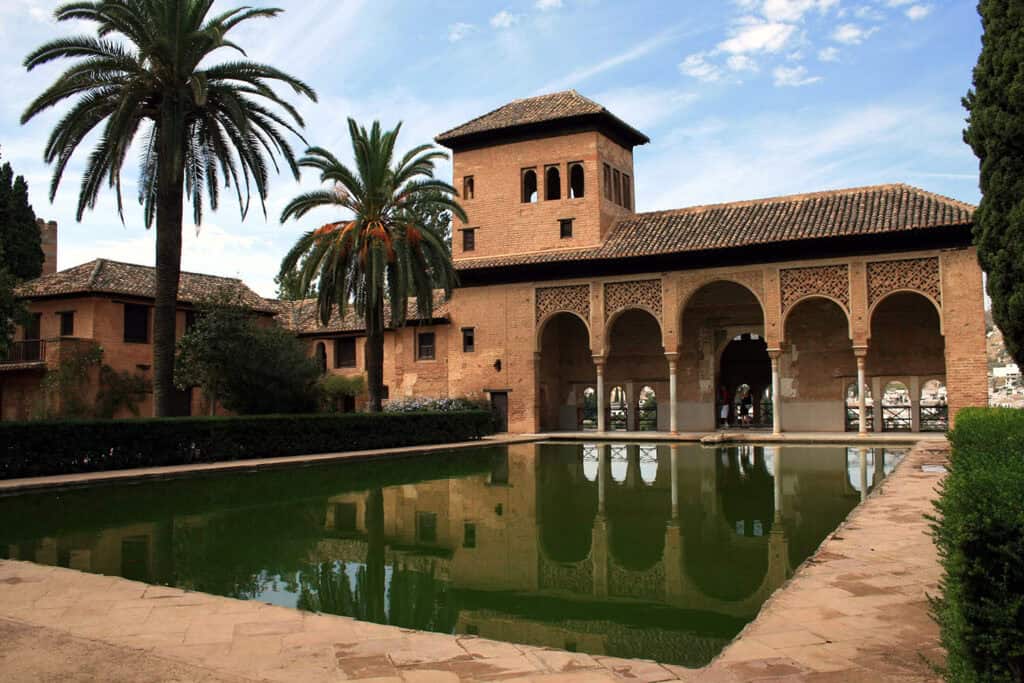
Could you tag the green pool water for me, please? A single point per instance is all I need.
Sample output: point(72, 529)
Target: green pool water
point(630, 550)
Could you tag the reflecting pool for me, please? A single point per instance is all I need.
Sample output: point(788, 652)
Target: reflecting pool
point(631, 550)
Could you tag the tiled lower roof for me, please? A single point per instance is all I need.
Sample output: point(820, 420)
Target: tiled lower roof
point(103, 276)
point(874, 210)
point(302, 316)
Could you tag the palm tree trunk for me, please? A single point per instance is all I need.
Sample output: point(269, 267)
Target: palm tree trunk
point(170, 196)
point(375, 355)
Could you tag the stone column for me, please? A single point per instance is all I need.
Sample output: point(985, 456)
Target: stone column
point(915, 403)
point(776, 392)
point(862, 403)
point(673, 404)
point(777, 481)
point(602, 476)
point(862, 455)
point(601, 398)
point(876, 393)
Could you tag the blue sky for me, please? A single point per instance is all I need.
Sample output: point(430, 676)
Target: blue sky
point(741, 99)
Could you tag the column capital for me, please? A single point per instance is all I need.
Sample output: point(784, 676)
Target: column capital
point(598, 360)
point(671, 356)
point(860, 351)
point(774, 353)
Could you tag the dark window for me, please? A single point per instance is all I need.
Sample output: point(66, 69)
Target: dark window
point(34, 328)
point(136, 323)
point(565, 228)
point(425, 346)
point(190, 320)
point(67, 323)
point(467, 187)
point(607, 181)
point(468, 340)
point(426, 527)
point(552, 183)
point(469, 239)
point(529, 194)
point(469, 535)
point(575, 181)
point(617, 186)
point(385, 393)
point(345, 352)
point(627, 192)
point(499, 468)
point(345, 516)
point(321, 357)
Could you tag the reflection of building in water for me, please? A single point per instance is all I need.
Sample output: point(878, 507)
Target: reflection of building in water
point(624, 549)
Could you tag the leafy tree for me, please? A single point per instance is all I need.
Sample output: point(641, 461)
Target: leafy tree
point(21, 253)
point(250, 367)
point(994, 131)
point(289, 285)
point(147, 75)
point(385, 248)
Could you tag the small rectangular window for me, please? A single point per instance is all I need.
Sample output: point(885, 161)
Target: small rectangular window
point(190, 320)
point(469, 239)
point(345, 352)
point(627, 192)
point(425, 346)
point(67, 323)
point(467, 187)
point(426, 527)
point(617, 186)
point(345, 516)
point(565, 228)
point(385, 393)
point(468, 340)
point(607, 181)
point(34, 329)
point(136, 323)
point(469, 535)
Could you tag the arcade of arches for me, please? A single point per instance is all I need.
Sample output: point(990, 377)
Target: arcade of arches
point(696, 352)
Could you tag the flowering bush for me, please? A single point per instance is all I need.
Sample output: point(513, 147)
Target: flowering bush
point(434, 405)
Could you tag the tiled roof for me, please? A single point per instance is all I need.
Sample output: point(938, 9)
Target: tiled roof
point(874, 210)
point(302, 316)
point(567, 104)
point(103, 276)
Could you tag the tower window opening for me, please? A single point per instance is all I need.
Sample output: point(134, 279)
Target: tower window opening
point(552, 183)
point(529, 186)
point(617, 186)
point(607, 181)
point(468, 189)
point(627, 192)
point(575, 181)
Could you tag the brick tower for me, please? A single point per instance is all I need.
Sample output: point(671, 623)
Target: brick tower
point(544, 173)
point(48, 235)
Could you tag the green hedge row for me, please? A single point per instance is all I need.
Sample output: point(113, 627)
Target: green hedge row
point(30, 449)
point(979, 532)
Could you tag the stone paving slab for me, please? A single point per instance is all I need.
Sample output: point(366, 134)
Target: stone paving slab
point(857, 610)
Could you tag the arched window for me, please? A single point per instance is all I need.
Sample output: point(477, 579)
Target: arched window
point(853, 407)
point(529, 186)
point(618, 410)
point(588, 411)
point(934, 412)
point(575, 181)
point(647, 407)
point(896, 411)
point(552, 183)
point(321, 357)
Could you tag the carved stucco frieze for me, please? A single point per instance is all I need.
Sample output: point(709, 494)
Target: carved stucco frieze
point(565, 298)
point(919, 274)
point(632, 294)
point(831, 281)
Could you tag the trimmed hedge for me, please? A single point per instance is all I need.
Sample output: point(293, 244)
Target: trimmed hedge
point(979, 532)
point(30, 449)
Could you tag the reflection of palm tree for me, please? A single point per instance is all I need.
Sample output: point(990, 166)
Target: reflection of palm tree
point(374, 584)
point(328, 590)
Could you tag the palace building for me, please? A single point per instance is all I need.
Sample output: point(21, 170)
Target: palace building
point(856, 309)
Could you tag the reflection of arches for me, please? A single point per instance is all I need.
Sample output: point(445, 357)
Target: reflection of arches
point(565, 369)
point(591, 462)
point(648, 464)
point(566, 505)
point(619, 463)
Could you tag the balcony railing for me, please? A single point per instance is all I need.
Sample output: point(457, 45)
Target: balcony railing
point(27, 351)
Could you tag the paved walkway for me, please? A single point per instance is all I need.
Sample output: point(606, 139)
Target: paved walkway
point(856, 611)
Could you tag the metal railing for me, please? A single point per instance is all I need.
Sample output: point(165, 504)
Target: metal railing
point(897, 419)
point(853, 419)
point(27, 351)
point(934, 418)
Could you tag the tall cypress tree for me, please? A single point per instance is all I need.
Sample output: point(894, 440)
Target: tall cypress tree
point(995, 132)
point(21, 252)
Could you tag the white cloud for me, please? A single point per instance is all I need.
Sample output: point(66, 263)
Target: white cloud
point(504, 19)
point(918, 12)
point(697, 66)
point(758, 36)
point(829, 54)
point(741, 63)
point(645, 106)
point(459, 30)
point(793, 77)
point(852, 34)
point(544, 5)
point(639, 50)
point(794, 10)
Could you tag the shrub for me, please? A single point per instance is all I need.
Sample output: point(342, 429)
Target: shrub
point(443, 405)
point(333, 388)
point(979, 533)
point(46, 448)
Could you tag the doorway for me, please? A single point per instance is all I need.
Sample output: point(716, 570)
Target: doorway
point(499, 406)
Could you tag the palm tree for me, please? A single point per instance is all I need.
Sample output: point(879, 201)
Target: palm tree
point(387, 249)
point(139, 78)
